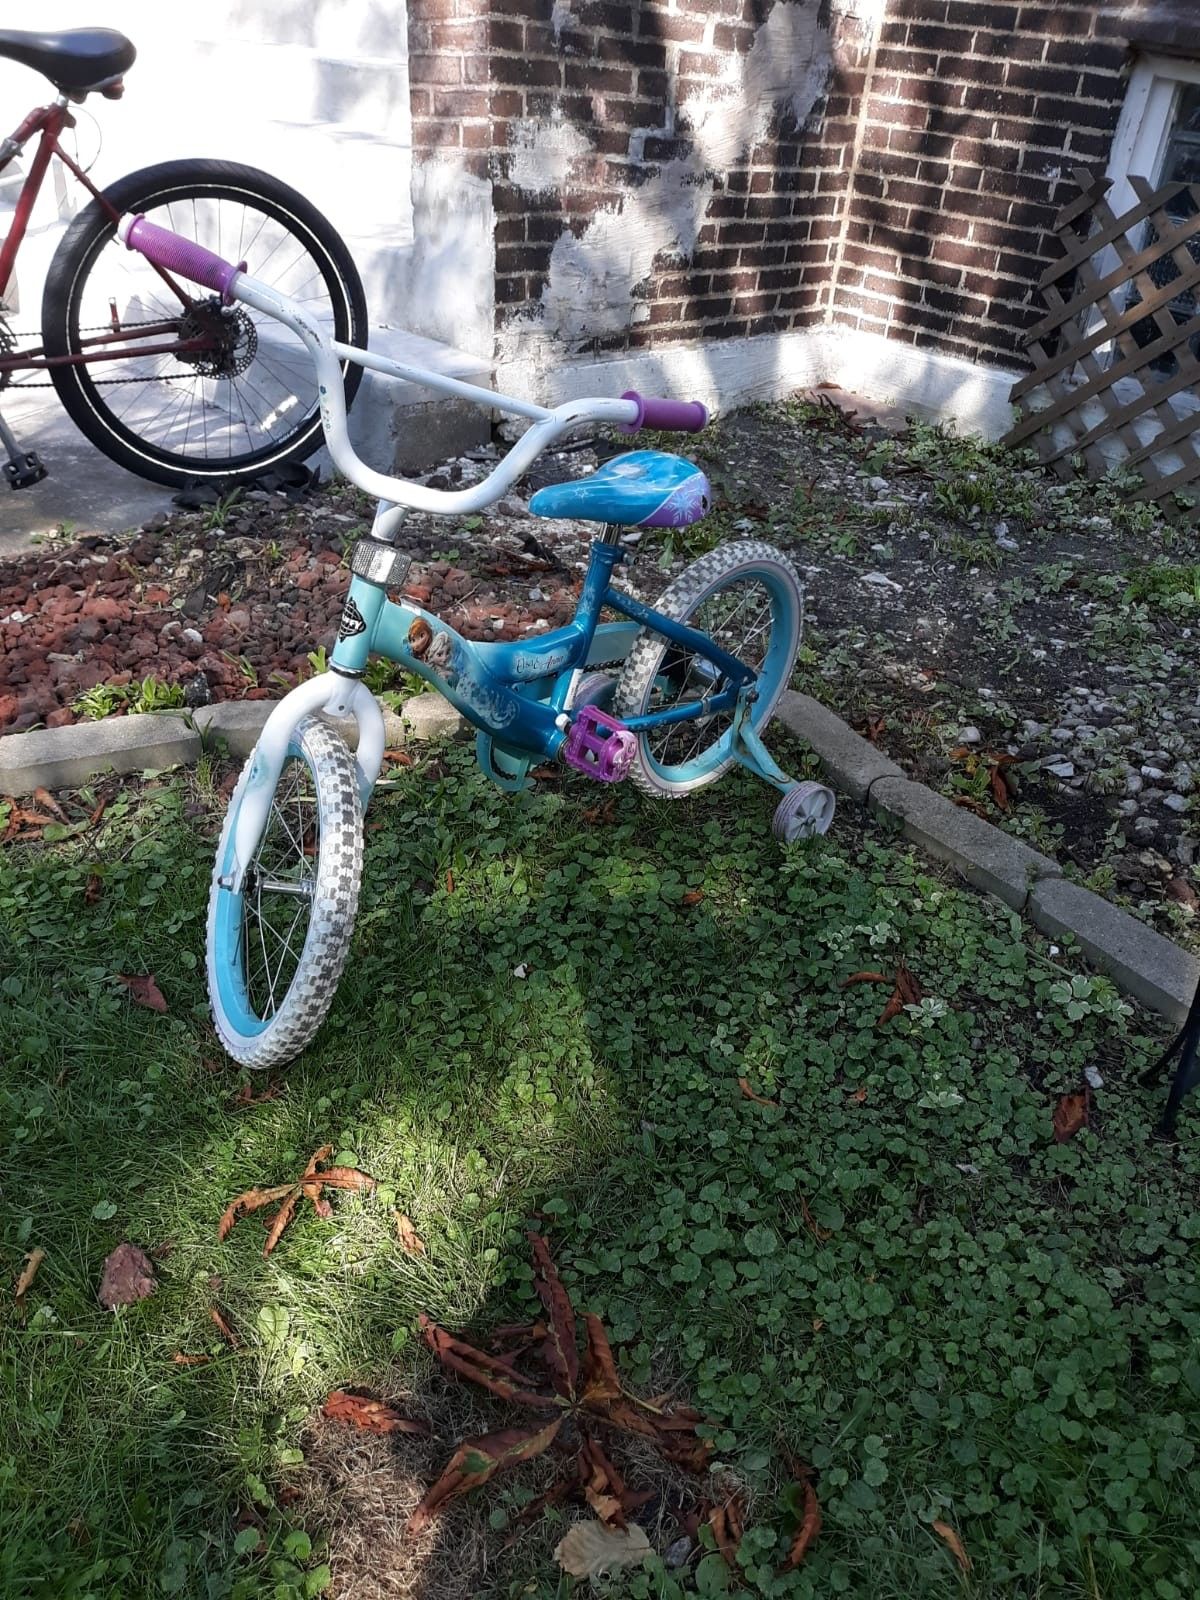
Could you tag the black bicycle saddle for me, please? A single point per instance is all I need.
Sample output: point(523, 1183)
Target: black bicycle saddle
point(79, 59)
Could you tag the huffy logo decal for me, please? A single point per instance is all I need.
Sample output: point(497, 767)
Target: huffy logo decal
point(352, 620)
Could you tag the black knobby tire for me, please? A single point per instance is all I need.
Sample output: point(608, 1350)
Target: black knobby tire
point(89, 259)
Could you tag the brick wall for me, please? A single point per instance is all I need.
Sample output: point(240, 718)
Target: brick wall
point(682, 168)
point(686, 170)
point(973, 114)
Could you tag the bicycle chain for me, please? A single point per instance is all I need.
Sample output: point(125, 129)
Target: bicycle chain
point(100, 327)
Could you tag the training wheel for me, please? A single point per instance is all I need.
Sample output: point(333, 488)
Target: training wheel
point(805, 811)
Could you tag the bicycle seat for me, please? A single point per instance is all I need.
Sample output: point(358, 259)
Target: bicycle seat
point(79, 59)
point(647, 487)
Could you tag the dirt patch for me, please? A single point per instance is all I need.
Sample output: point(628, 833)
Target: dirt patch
point(360, 1490)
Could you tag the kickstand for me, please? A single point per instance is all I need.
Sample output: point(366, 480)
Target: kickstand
point(1187, 1073)
point(23, 467)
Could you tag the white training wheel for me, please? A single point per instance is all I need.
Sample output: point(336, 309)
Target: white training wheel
point(805, 811)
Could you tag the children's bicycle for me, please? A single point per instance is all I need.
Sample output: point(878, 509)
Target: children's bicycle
point(172, 386)
point(669, 696)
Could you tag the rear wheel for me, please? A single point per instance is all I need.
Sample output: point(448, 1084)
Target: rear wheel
point(245, 399)
point(747, 598)
point(277, 947)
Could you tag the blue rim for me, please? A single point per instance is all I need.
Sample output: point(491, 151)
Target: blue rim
point(772, 677)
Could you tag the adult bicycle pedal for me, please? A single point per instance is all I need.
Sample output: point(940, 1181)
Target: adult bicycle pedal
point(23, 467)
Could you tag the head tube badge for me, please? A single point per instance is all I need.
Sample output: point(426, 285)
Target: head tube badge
point(352, 622)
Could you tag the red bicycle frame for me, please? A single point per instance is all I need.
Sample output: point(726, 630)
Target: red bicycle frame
point(50, 122)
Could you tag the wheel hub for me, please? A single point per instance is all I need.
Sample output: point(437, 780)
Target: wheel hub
point(230, 334)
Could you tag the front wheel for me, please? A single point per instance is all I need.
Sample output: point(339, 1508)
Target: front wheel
point(276, 949)
point(747, 598)
point(198, 390)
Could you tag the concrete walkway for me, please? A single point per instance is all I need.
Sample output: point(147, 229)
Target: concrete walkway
point(83, 489)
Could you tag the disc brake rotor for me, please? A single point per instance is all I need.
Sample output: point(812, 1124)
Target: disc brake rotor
point(232, 333)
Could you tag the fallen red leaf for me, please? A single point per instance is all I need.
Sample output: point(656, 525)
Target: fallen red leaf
point(864, 977)
point(490, 1372)
point(1071, 1114)
point(859, 1096)
point(601, 1380)
point(999, 788)
point(143, 991)
point(744, 1086)
point(372, 1416)
point(449, 881)
point(48, 803)
point(693, 897)
point(810, 1518)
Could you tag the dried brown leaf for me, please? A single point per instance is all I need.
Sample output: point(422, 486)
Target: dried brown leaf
point(180, 1360)
point(1070, 1115)
point(29, 1271)
point(589, 1549)
point(864, 977)
point(449, 881)
point(999, 787)
point(250, 1200)
point(93, 889)
point(727, 1524)
point(281, 1219)
point(346, 1178)
point(477, 1460)
point(410, 1240)
point(143, 991)
point(810, 1518)
point(490, 1372)
point(223, 1328)
point(692, 898)
point(946, 1533)
point(559, 1348)
point(744, 1086)
point(48, 803)
point(372, 1416)
point(908, 986)
point(601, 1381)
point(1180, 890)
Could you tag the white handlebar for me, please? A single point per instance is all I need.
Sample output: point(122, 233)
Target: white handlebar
point(327, 356)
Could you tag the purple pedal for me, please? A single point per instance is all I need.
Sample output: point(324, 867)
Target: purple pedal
point(599, 745)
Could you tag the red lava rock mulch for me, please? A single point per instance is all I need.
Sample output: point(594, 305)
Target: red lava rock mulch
point(232, 613)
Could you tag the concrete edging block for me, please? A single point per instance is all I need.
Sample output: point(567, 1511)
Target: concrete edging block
point(987, 857)
point(64, 758)
point(1140, 962)
point(852, 762)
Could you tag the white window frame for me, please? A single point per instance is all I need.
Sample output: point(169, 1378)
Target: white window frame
point(1147, 117)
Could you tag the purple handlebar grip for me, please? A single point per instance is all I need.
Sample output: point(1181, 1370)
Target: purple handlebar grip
point(675, 416)
point(192, 261)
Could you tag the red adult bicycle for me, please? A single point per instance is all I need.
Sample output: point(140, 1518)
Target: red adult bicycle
point(171, 383)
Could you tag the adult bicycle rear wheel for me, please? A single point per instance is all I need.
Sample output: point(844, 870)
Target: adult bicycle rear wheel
point(246, 400)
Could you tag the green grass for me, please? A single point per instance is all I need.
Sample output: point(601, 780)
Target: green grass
point(997, 1332)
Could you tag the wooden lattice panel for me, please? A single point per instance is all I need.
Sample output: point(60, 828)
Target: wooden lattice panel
point(1096, 391)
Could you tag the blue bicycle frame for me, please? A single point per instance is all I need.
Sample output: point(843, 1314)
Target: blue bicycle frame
point(516, 693)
